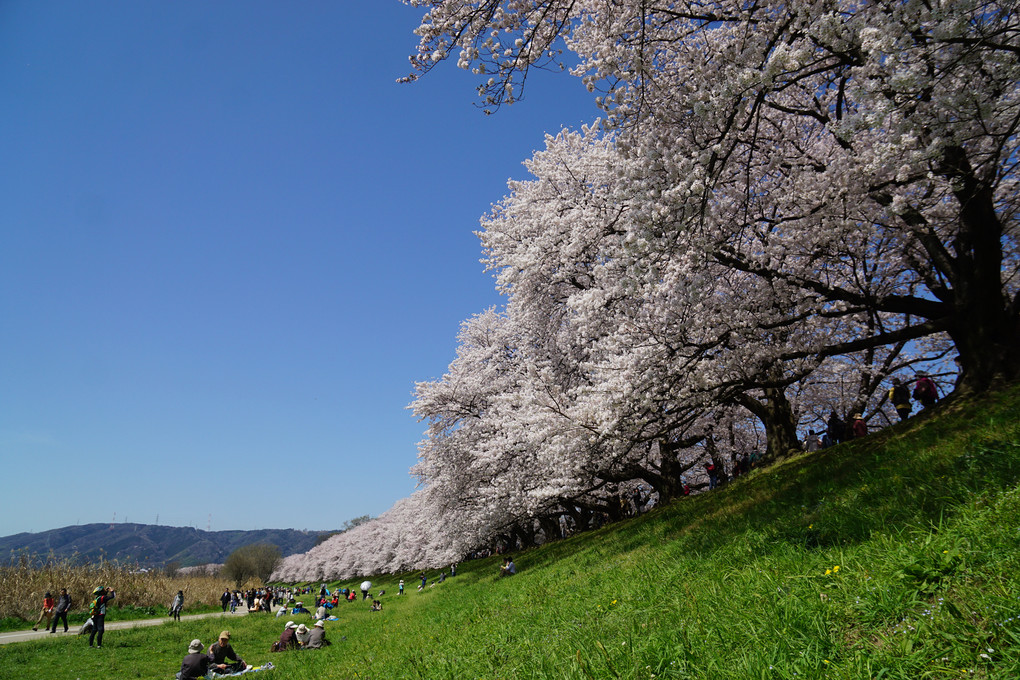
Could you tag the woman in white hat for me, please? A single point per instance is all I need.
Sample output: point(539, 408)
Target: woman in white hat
point(302, 634)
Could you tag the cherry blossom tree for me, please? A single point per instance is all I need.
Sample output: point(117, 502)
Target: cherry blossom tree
point(802, 144)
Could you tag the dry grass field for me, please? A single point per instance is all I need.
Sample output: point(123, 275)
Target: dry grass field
point(24, 582)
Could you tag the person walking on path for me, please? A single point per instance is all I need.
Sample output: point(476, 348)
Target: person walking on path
point(63, 605)
point(47, 611)
point(97, 610)
point(177, 605)
point(225, 599)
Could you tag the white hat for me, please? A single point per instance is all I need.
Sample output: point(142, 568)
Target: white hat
point(195, 646)
point(302, 628)
point(320, 624)
point(290, 624)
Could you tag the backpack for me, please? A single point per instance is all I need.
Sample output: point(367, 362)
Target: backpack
point(95, 609)
point(899, 395)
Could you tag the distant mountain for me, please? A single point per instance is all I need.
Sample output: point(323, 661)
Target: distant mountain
point(150, 545)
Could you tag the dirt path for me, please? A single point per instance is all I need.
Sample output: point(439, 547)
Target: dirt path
point(22, 636)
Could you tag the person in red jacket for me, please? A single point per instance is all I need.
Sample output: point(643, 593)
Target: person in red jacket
point(47, 611)
point(859, 427)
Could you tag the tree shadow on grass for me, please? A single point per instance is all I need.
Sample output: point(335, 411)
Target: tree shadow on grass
point(913, 474)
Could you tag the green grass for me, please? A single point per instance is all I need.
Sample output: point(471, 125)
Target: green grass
point(922, 521)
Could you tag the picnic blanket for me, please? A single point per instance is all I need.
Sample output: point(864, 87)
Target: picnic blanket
point(268, 666)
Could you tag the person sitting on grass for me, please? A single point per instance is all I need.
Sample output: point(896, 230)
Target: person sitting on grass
point(317, 637)
point(376, 606)
point(508, 568)
point(302, 634)
point(220, 653)
point(288, 638)
point(196, 664)
point(300, 609)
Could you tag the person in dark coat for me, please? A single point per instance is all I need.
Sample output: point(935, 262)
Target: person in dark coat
point(63, 606)
point(225, 600)
point(195, 665)
point(836, 429)
point(899, 397)
point(288, 639)
point(220, 653)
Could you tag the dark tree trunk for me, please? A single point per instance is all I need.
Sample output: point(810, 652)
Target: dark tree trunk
point(776, 416)
point(582, 517)
point(551, 528)
point(669, 480)
point(985, 326)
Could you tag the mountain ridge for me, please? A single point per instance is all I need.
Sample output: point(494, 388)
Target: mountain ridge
point(151, 545)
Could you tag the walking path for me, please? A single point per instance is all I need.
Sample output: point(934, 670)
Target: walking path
point(22, 636)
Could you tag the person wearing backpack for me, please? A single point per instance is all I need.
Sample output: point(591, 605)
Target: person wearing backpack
point(97, 610)
point(925, 391)
point(899, 397)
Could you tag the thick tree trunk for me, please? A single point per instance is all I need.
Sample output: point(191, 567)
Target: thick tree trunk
point(550, 527)
point(986, 325)
point(776, 416)
point(582, 516)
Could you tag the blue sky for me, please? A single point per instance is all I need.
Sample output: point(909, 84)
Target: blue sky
point(231, 243)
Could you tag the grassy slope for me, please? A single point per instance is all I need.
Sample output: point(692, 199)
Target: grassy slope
point(921, 520)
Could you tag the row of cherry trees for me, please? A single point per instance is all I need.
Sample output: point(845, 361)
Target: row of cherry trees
point(785, 204)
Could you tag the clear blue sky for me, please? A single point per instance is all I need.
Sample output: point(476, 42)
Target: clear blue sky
point(231, 243)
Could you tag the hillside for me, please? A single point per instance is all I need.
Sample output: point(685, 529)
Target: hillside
point(150, 545)
point(895, 556)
